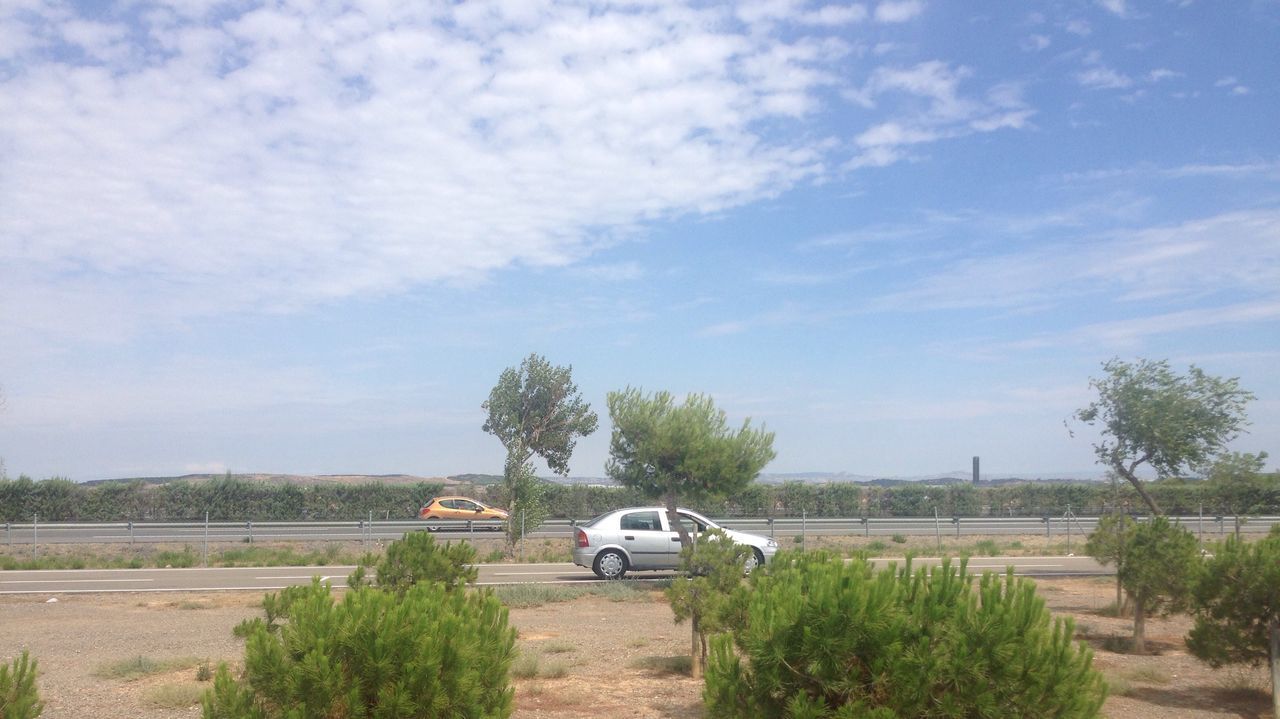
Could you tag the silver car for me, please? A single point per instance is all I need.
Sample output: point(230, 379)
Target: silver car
point(639, 538)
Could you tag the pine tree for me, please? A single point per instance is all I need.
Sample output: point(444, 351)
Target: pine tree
point(828, 639)
point(1237, 607)
point(19, 698)
point(1157, 570)
point(713, 569)
point(428, 653)
point(419, 558)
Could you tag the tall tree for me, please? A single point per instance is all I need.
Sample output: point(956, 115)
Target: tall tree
point(1107, 544)
point(1157, 568)
point(1237, 607)
point(688, 451)
point(535, 410)
point(1148, 414)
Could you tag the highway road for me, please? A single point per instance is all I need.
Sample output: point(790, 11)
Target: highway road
point(17, 535)
point(52, 583)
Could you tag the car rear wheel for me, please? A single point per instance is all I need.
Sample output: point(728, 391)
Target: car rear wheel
point(610, 564)
point(433, 527)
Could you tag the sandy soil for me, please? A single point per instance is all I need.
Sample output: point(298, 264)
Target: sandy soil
point(606, 652)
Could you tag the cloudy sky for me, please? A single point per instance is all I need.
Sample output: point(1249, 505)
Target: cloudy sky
point(307, 236)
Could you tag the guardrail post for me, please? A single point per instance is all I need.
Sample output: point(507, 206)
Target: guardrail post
point(131, 533)
point(249, 526)
point(956, 521)
point(1200, 523)
point(803, 520)
point(35, 536)
point(8, 534)
point(206, 537)
point(770, 521)
point(866, 528)
point(471, 530)
point(937, 529)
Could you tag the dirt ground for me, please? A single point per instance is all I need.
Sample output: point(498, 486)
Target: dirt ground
point(598, 659)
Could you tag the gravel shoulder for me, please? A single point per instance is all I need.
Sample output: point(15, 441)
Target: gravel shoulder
point(597, 658)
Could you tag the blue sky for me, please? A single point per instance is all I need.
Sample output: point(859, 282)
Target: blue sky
point(307, 237)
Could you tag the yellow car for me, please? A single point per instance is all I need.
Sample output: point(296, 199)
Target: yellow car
point(457, 508)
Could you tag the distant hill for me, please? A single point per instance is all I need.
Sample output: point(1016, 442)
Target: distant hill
point(304, 480)
point(489, 479)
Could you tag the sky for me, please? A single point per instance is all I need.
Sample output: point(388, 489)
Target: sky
point(307, 236)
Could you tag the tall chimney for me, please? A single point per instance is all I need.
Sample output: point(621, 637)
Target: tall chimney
point(975, 470)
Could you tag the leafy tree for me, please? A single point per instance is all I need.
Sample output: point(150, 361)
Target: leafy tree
point(1236, 606)
point(19, 698)
point(1237, 482)
point(825, 638)
point(1150, 415)
point(669, 451)
point(1157, 569)
point(535, 410)
point(1107, 544)
point(427, 654)
point(419, 558)
point(714, 568)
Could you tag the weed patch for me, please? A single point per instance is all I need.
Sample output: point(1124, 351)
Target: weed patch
point(141, 666)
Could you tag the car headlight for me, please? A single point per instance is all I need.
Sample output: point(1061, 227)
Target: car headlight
point(771, 544)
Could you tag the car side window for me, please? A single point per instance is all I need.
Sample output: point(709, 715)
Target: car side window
point(449, 503)
point(470, 506)
point(692, 525)
point(643, 521)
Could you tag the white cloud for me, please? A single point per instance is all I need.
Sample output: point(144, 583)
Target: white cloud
point(900, 11)
point(1221, 255)
point(948, 113)
point(1115, 7)
point(1035, 43)
point(1078, 27)
point(1103, 78)
point(155, 167)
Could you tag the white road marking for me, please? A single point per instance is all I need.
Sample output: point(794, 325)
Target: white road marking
point(68, 581)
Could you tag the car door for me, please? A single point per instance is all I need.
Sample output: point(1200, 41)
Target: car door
point(645, 538)
point(693, 526)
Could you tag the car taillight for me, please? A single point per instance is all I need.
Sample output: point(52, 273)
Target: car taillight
point(582, 539)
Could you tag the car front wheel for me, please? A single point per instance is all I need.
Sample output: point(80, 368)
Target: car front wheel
point(753, 560)
point(610, 564)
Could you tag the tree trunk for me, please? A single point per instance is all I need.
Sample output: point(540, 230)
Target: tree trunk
point(1119, 597)
point(673, 519)
point(695, 653)
point(1274, 626)
point(1139, 627)
point(1128, 474)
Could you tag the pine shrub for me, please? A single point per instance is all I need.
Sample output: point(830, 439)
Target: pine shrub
point(428, 653)
point(19, 698)
point(419, 558)
point(828, 639)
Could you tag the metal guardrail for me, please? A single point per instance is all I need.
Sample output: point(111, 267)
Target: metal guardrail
point(35, 533)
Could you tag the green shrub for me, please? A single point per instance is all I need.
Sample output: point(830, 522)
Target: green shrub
point(987, 548)
point(418, 558)
point(425, 653)
point(877, 546)
point(825, 638)
point(19, 698)
point(899, 539)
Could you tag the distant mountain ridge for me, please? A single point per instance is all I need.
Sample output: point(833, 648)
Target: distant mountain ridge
point(954, 477)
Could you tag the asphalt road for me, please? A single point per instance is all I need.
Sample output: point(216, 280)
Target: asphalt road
point(53, 582)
